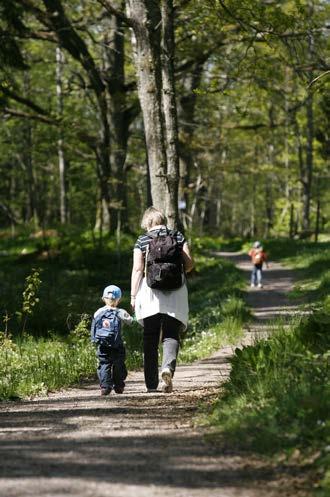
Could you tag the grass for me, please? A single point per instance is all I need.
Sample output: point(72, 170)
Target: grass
point(217, 310)
point(277, 399)
point(54, 351)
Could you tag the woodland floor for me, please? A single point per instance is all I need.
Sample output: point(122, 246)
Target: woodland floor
point(75, 443)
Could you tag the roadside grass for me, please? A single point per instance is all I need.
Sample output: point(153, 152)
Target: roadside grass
point(217, 308)
point(54, 350)
point(277, 399)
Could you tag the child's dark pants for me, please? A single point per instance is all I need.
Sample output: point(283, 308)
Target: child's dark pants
point(170, 327)
point(111, 371)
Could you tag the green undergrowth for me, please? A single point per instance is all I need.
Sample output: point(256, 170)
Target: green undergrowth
point(52, 286)
point(277, 399)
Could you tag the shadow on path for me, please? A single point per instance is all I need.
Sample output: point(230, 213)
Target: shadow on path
point(113, 444)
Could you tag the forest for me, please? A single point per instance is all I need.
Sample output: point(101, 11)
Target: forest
point(216, 112)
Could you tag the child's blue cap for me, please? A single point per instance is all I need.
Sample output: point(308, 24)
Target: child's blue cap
point(112, 292)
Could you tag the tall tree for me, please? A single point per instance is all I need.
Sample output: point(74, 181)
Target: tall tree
point(153, 40)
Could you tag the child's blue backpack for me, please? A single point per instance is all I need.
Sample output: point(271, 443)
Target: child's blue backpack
point(108, 328)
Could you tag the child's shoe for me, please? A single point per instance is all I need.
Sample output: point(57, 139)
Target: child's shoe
point(166, 384)
point(105, 391)
point(259, 285)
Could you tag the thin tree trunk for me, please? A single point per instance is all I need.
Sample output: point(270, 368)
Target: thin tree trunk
point(118, 117)
point(269, 201)
point(317, 223)
point(71, 41)
point(193, 208)
point(300, 155)
point(253, 209)
point(269, 206)
point(292, 223)
point(308, 173)
point(187, 117)
point(27, 161)
point(60, 149)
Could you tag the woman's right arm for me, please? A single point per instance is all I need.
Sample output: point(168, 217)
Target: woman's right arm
point(187, 259)
point(137, 274)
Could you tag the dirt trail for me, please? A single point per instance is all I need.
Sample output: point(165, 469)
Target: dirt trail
point(75, 443)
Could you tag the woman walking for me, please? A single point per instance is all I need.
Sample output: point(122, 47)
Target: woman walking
point(161, 312)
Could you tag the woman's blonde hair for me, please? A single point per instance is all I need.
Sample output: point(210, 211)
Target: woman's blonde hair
point(152, 217)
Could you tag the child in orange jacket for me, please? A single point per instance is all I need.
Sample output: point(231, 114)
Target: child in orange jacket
point(258, 257)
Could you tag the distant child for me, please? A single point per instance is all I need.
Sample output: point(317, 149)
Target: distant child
point(258, 257)
point(106, 332)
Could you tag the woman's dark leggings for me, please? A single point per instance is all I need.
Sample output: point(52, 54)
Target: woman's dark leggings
point(170, 328)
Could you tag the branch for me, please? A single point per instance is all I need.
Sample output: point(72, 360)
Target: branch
point(26, 115)
point(9, 213)
point(39, 14)
point(42, 35)
point(247, 126)
point(318, 77)
point(237, 19)
point(22, 100)
point(72, 42)
point(117, 13)
point(253, 127)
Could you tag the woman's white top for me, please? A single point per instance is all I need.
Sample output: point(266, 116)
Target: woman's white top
point(150, 301)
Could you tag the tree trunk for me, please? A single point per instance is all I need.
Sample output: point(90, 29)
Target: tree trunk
point(27, 161)
point(269, 201)
point(253, 207)
point(157, 100)
point(118, 117)
point(146, 42)
point(170, 111)
point(317, 223)
point(62, 165)
point(308, 170)
point(71, 41)
point(292, 223)
point(187, 117)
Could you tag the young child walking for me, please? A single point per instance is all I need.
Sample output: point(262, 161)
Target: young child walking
point(106, 333)
point(258, 257)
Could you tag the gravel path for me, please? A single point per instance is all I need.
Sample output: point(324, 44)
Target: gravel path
point(75, 443)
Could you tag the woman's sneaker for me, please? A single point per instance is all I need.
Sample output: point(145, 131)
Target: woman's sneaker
point(166, 384)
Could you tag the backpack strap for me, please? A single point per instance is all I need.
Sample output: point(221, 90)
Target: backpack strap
point(107, 312)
